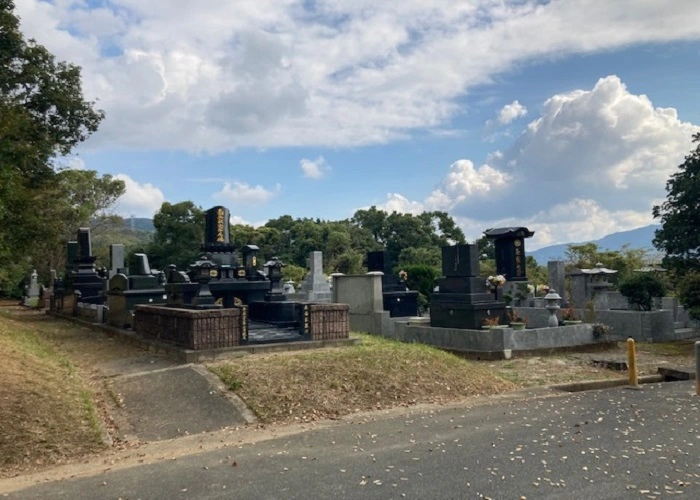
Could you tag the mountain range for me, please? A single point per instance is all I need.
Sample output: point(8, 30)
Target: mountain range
point(640, 238)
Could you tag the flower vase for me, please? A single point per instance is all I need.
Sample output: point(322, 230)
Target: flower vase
point(495, 293)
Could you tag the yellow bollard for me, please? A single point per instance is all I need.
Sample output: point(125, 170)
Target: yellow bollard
point(697, 368)
point(632, 363)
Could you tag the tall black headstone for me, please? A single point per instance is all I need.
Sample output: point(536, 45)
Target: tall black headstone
point(462, 300)
point(85, 246)
point(509, 244)
point(216, 230)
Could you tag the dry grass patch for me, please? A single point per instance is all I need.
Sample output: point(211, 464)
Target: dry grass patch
point(578, 366)
point(329, 383)
point(550, 370)
point(47, 415)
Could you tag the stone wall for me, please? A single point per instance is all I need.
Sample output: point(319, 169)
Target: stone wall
point(497, 343)
point(191, 328)
point(325, 321)
point(647, 326)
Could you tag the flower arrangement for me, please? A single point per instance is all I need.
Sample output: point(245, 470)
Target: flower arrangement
point(495, 281)
point(542, 289)
point(491, 321)
point(403, 275)
point(514, 317)
point(569, 314)
point(530, 288)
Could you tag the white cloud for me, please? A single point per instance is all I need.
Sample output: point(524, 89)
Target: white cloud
point(214, 76)
point(314, 169)
point(140, 200)
point(398, 203)
point(593, 163)
point(511, 112)
point(241, 193)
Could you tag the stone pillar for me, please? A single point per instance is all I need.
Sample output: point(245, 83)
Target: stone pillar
point(315, 285)
point(116, 259)
point(578, 289)
point(556, 279)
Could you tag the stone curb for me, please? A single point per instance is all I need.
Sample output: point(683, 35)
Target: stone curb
point(591, 385)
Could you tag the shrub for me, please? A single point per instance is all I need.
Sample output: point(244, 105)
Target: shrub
point(689, 293)
point(601, 330)
point(641, 288)
point(421, 277)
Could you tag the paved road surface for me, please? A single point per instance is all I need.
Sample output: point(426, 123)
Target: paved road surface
point(612, 444)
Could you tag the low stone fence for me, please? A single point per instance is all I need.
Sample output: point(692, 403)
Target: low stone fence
point(646, 326)
point(325, 321)
point(191, 328)
point(497, 343)
point(90, 312)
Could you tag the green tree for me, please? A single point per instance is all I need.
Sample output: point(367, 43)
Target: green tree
point(79, 198)
point(421, 277)
point(179, 235)
point(678, 236)
point(373, 220)
point(641, 288)
point(431, 256)
point(487, 248)
point(689, 293)
point(625, 261)
point(43, 115)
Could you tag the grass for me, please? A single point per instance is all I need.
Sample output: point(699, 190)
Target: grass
point(47, 413)
point(329, 383)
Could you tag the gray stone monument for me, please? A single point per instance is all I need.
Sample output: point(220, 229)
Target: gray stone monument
point(315, 288)
point(556, 279)
point(33, 291)
point(116, 259)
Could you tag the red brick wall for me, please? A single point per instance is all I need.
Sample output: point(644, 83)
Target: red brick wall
point(326, 321)
point(190, 328)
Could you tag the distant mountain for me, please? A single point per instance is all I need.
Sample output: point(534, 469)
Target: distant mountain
point(139, 224)
point(640, 238)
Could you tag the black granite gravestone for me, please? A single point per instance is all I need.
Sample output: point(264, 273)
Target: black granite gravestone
point(397, 299)
point(234, 284)
point(509, 245)
point(463, 300)
point(84, 278)
point(127, 290)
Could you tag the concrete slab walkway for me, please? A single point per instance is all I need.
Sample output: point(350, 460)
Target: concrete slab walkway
point(176, 401)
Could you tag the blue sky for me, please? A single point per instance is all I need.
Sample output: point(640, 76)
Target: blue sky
point(564, 116)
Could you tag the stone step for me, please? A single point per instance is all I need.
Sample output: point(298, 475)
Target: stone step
point(677, 373)
point(677, 325)
point(686, 332)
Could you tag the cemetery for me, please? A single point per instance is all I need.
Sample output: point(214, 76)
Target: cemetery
point(227, 300)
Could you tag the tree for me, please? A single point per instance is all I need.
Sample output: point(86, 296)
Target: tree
point(179, 235)
point(43, 116)
point(641, 288)
point(689, 293)
point(373, 220)
point(79, 198)
point(678, 236)
point(588, 255)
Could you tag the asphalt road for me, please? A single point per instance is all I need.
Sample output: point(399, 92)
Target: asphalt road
point(610, 444)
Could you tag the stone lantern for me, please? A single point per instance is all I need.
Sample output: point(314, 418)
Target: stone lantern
point(552, 301)
point(202, 272)
point(274, 272)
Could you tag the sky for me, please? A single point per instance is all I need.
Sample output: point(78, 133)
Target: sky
point(566, 117)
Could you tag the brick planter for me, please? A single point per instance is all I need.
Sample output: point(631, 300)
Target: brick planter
point(191, 328)
point(325, 321)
